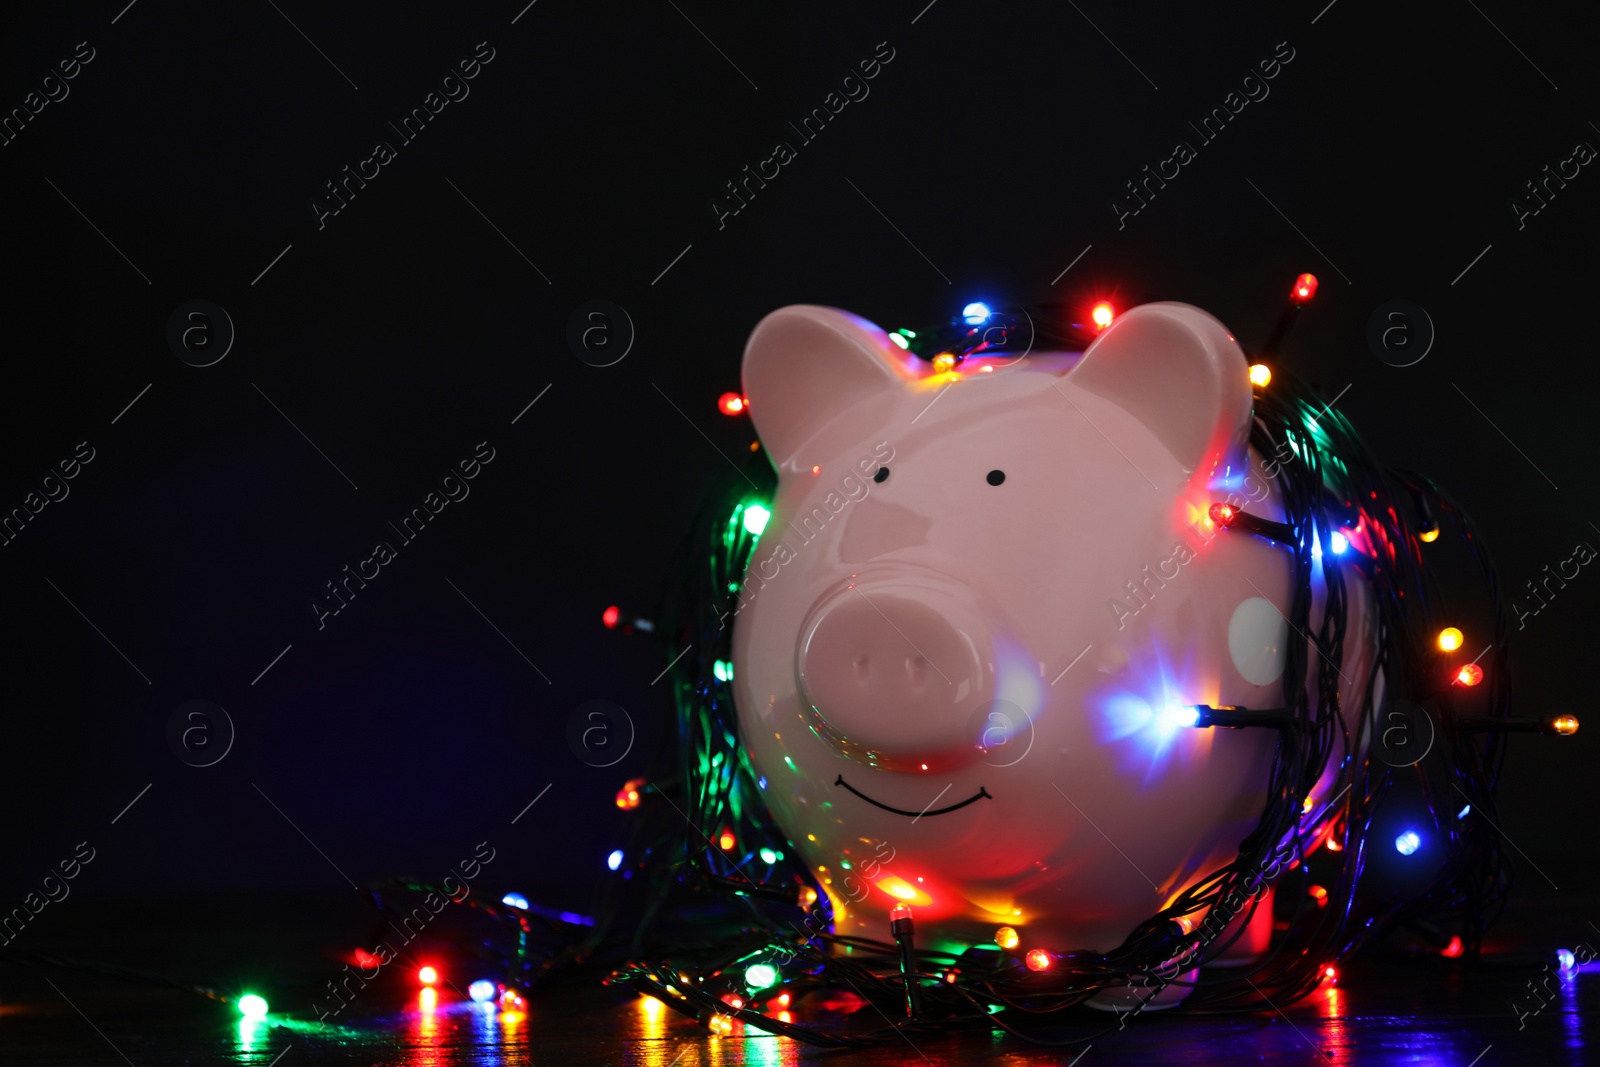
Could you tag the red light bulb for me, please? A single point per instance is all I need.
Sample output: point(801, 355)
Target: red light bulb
point(1469, 675)
point(731, 403)
point(611, 616)
point(628, 797)
point(1223, 514)
point(427, 976)
point(1102, 315)
point(1039, 960)
point(1305, 287)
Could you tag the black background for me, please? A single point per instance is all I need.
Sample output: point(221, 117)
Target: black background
point(408, 330)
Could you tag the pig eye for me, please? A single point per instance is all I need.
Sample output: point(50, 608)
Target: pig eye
point(996, 477)
point(882, 475)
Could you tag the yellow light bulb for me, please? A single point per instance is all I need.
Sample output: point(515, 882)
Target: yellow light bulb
point(944, 362)
point(1260, 375)
point(1429, 535)
point(1006, 937)
point(1565, 725)
point(1450, 639)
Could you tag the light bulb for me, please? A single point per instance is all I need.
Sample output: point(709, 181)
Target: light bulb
point(755, 518)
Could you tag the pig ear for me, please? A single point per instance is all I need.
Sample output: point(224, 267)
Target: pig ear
point(1177, 370)
point(805, 364)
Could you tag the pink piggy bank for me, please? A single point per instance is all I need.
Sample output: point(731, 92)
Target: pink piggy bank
point(983, 603)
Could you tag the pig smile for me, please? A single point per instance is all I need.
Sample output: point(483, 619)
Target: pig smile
point(981, 794)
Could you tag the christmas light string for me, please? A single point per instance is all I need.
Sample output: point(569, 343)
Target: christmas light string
point(1333, 492)
point(727, 925)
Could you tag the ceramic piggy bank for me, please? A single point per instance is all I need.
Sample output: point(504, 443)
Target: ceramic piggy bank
point(981, 603)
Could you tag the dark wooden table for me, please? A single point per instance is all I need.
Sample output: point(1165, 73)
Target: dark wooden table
point(1384, 1011)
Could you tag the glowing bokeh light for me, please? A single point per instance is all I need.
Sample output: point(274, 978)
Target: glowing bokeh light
point(1407, 843)
point(482, 990)
point(615, 859)
point(252, 1006)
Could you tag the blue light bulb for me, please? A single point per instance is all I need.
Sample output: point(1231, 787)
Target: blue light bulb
point(975, 314)
point(1407, 843)
point(481, 990)
point(1339, 542)
point(614, 860)
point(1179, 715)
point(1568, 961)
point(515, 900)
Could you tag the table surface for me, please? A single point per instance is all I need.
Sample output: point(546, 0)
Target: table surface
point(1384, 1011)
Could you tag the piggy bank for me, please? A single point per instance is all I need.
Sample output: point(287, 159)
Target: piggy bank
point(985, 598)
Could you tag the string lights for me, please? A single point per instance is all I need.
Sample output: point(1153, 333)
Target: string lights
point(730, 927)
point(1330, 486)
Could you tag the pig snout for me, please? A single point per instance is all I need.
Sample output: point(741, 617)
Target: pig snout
point(892, 667)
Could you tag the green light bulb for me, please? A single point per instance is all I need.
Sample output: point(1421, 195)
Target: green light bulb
point(252, 1006)
point(755, 518)
point(760, 976)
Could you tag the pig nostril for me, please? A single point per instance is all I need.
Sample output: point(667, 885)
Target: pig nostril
point(916, 670)
point(861, 665)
